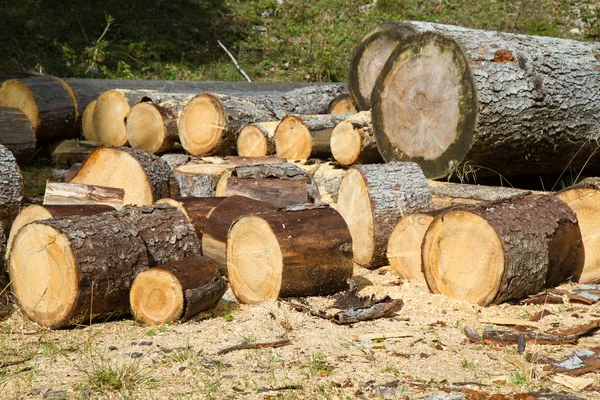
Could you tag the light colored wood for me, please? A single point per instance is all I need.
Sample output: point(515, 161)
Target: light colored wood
point(153, 127)
point(110, 111)
point(156, 297)
point(60, 193)
point(404, 246)
point(201, 124)
point(256, 140)
point(87, 122)
point(352, 141)
point(509, 321)
point(342, 104)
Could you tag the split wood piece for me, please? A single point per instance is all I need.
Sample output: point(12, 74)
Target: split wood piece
point(153, 127)
point(373, 198)
point(282, 184)
point(144, 176)
point(87, 122)
point(71, 270)
point(449, 95)
point(299, 137)
point(60, 193)
point(70, 152)
point(199, 180)
point(256, 140)
point(209, 123)
point(584, 200)
point(495, 252)
point(114, 106)
point(241, 160)
point(36, 212)
point(166, 231)
point(196, 209)
point(176, 291)
point(277, 254)
point(370, 56)
point(448, 194)
point(342, 104)
point(11, 188)
point(327, 178)
point(220, 219)
point(352, 141)
point(17, 134)
point(175, 160)
point(48, 102)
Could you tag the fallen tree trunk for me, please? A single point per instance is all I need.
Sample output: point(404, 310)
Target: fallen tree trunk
point(200, 180)
point(447, 194)
point(60, 193)
point(496, 252)
point(299, 137)
point(373, 198)
point(352, 141)
point(144, 176)
point(214, 237)
point(277, 254)
point(11, 189)
point(256, 140)
point(153, 126)
point(451, 95)
point(196, 209)
point(70, 152)
point(71, 270)
point(342, 104)
point(176, 291)
point(17, 134)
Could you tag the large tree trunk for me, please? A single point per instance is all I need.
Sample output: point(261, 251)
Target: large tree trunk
point(196, 209)
point(199, 180)
point(496, 252)
point(176, 291)
point(166, 231)
point(48, 102)
point(299, 251)
point(256, 140)
point(153, 126)
point(353, 142)
point(373, 198)
point(299, 137)
point(144, 176)
point(214, 238)
point(510, 103)
point(16, 133)
point(71, 270)
point(61, 193)
point(11, 188)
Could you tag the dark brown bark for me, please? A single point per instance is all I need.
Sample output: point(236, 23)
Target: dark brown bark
point(16, 134)
point(244, 161)
point(197, 210)
point(280, 193)
point(70, 152)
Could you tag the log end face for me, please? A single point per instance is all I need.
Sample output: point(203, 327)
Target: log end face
point(343, 104)
point(156, 297)
point(292, 139)
point(404, 246)
point(14, 93)
point(108, 120)
point(145, 128)
point(43, 271)
point(201, 124)
point(254, 260)
point(251, 142)
point(27, 215)
point(87, 122)
point(345, 143)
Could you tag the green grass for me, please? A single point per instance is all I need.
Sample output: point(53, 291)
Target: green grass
point(294, 41)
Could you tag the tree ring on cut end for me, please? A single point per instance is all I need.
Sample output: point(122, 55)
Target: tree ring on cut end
point(201, 124)
point(251, 142)
point(346, 143)
point(293, 139)
point(145, 127)
point(111, 109)
point(156, 297)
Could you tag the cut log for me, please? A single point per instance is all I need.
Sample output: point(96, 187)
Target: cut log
point(36, 212)
point(302, 101)
point(166, 231)
point(61, 194)
point(449, 95)
point(352, 141)
point(373, 198)
point(342, 104)
point(214, 238)
point(70, 152)
point(209, 123)
point(196, 209)
point(176, 291)
point(496, 252)
point(176, 160)
point(199, 180)
point(87, 122)
point(11, 188)
point(144, 176)
point(584, 200)
point(72, 270)
point(153, 127)
point(239, 161)
point(16, 133)
point(299, 137)
point(369, 58)
point(299, 251)
point(256, 140)
point(327, 178)
point(48, 102)
point(447, 194)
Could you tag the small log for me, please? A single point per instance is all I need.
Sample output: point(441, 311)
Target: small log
point(87, 123)
point(70, 152)
point(176, 291)
point(584, 200)
point(256, 140)
point(199, 180)
point(175, 160)
point(299, 137)
point(448, 194)
point(327, 177)
point(144, 176)
point(352, 141)
point(153, 127)
point(72, 270)
point(373, 198)
point(509, 338)
point(241, 160)
point(214, 237)
point(196, 209)
point(342, 104)
point(495, 252)
point(48, 102)
point(17, 134)
point(277, 254)
point(11, 188)
point(167, 233)
point(60, 193)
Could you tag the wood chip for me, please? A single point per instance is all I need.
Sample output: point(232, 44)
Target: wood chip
point(509, 321)
point(572, 382)
point(539, 315)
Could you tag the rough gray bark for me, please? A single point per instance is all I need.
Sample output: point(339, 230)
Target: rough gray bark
point(197, 185)
point(11, 188)
point(446, 194)
point(307, 100)
point(16, 134)
point(365, 151)
point(175, 160)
